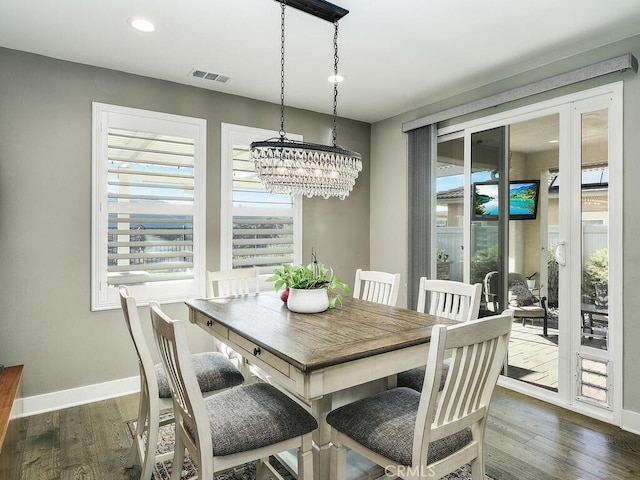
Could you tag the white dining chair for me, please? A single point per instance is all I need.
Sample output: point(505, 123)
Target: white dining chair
point(446, 298)
point(242, 424)
point(238, 281)
point(433, 432)
point(227, 283)
point(375, 286)
point(213, 371)
point(450, 299)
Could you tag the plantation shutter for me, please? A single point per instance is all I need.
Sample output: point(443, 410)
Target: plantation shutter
point(148, 203)
point(263, 233)
point(150, 199)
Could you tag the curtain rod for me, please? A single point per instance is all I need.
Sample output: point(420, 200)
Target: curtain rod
point(615, 64)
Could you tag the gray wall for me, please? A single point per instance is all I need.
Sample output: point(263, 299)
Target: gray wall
point(389, 182)
point(45, 211)
point(45, 193)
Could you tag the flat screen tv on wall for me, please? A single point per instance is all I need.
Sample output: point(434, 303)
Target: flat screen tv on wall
point(523, 200)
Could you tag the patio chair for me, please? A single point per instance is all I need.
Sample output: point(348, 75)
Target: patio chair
point(524, 304)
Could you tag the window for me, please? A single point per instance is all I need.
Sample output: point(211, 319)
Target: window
point(257, 228)
point(148, 205)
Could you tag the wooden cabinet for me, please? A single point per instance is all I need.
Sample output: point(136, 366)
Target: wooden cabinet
point(10, 414)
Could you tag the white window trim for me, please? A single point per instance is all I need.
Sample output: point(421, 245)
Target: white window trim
point(103, 115)
point(241, 135)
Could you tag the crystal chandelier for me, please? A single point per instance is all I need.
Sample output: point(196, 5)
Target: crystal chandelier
point(301, 168)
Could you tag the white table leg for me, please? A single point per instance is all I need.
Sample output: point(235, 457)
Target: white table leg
point(321, 438)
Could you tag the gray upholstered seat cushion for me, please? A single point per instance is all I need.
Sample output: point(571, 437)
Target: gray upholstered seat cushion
point(385, 422)
point(252, 416)
point(414, 378)
point(213, 370)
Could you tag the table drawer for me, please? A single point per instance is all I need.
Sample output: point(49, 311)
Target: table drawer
point(252, 351)
point(219, 331)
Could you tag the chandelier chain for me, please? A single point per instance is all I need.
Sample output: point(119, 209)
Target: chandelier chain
point(301, 168)
point(282, 133)
point(335, 84)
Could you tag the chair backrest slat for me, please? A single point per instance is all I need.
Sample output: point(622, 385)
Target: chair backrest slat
point(240, 281)
point(188, 403)
point(478, 350)
point(450, 299)
point(378, 287)
point(134, 325)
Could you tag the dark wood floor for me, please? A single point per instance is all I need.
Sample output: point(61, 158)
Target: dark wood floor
point(526, 440)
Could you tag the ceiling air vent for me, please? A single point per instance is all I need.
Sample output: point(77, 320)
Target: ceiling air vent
point(216, 77)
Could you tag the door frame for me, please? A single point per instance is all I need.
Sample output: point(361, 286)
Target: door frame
point(563, 105)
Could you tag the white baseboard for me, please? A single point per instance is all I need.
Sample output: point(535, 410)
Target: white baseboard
point(78, 396)
point(631, 421)
point(92, 393)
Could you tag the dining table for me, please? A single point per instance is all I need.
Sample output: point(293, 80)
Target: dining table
point(320, 357)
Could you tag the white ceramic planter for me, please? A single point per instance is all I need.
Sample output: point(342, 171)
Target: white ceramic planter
point(314, 300)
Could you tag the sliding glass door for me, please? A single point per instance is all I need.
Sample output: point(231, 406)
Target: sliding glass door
point(526, 210)
point(449, 224)
point(592, 254)
point(508, 239)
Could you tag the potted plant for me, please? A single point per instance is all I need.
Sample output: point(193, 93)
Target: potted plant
point(309, 287)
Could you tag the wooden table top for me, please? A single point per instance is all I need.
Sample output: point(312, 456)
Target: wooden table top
point(357, 329)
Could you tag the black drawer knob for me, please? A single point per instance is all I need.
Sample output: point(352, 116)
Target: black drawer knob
point(209, 323)
point(257, 351)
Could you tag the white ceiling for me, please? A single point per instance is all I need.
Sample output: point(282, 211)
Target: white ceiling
point(396, 54)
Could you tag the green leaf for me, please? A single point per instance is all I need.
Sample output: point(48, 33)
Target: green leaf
point(313, 275)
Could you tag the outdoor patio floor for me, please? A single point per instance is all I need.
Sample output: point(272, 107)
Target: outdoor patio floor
point(533, 358)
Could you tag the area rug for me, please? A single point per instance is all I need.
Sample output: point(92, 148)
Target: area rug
point(162, 470)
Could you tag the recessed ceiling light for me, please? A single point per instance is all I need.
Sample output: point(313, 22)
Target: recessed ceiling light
point(336, 78)
point(142, 24)
point(553, 141)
